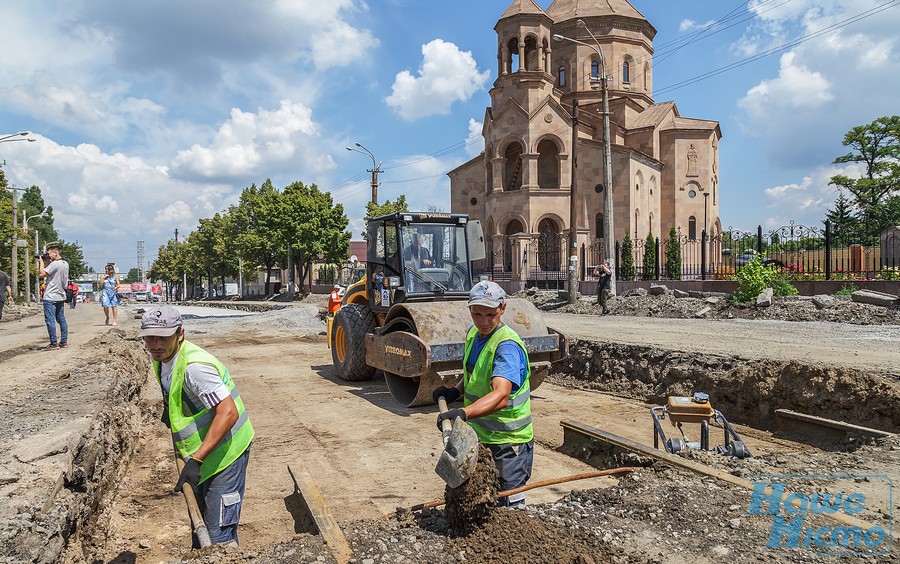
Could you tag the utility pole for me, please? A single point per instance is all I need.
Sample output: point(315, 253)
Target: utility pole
point(15, 241)
point(573, 211)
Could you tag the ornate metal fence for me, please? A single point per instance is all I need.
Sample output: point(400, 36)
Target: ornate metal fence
point(802, 251)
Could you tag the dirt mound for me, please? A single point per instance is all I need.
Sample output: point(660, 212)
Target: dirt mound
point(841, 309)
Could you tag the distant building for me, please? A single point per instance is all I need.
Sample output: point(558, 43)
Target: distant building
point(664, 166)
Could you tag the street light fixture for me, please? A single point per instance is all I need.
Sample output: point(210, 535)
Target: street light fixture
point(13, 137)
point(376, 168)
point(609, 225)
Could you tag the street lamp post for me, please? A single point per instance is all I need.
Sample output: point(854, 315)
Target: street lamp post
point(609, 224)
point(25, 220)
point(376, 168)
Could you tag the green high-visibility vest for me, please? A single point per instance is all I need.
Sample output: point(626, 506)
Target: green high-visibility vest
point(189, 428)
point(511, 424)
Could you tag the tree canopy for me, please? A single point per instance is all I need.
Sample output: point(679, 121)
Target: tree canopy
point(874, 196)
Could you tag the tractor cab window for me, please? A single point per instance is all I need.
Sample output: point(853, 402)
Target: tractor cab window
point(434, 258)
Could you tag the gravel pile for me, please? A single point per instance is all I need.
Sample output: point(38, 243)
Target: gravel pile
point(841, 309)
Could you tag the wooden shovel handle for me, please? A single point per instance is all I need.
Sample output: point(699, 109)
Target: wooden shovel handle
point(446, 424)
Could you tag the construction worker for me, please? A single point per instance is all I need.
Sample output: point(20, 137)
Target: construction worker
point(334, 299)
point(206, 416)
point(496, 390)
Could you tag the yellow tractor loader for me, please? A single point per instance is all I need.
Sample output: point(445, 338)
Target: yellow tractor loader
point(408, 316)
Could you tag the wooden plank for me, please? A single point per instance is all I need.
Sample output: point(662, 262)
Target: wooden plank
point(811, 425)
point(325, 524)
point(574, 429)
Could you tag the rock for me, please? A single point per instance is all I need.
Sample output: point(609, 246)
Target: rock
point(144, 543)
point(702, 313)
point(658, 289)
point(874, 298)
point(680, 293)
point(822, 301)
point(734, 523)
point(764, 299)
point(638, 292)
point(712, 300)
point(696, 294)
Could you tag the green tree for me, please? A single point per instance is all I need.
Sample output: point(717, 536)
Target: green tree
point(673, 256)
point(169, 265)
point(844, 222)
point(649, 258)
point(313, 225)
point(255, 229)
point(386, 208)
point(626, 270)
point(877, 147)
point(134, 275)
point(74, 255)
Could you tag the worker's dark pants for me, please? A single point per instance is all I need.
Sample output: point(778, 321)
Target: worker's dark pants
point(514, 463)
point(220, 500)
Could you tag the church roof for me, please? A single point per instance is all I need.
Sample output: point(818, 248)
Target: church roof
point(562, 10)
point(522, 7)
point(653, 115)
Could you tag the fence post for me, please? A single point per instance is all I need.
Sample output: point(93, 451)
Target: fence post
point(827, 250)
point(618, 262)
point(703, 255)
point(658, 272)
point(583, 263)
point(759, 239)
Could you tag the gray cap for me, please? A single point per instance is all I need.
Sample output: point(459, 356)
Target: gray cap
point(488, 294)
point(162, 321)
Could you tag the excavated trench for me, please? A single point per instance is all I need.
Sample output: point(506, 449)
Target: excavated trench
point(63, 515)
point(747, 391)
point(76, 522)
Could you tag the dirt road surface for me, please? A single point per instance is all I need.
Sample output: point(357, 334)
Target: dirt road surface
point(367, 455)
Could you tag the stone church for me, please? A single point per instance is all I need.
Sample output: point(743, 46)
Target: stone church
point(664, 166)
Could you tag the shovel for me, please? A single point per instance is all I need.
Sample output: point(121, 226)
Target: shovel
point(457, 461)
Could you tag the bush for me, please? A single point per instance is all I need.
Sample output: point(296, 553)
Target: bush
point(846, 290)
point(890, 273)
point(756, 277)
point(649, 258)
point(626, 271)
point(673, 256)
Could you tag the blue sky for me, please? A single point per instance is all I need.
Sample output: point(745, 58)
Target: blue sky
point(151, 115)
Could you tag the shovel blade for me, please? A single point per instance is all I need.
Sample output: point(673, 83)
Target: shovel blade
point(460, 455)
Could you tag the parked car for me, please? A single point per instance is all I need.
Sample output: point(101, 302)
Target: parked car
point(746, 257)
point(141, 297)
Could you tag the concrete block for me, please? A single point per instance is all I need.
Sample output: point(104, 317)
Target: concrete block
point(764, 299)
point(874, 298)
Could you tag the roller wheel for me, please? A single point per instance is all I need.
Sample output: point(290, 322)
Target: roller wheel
point(348, 352)
point(675, 445)
point(738, 450)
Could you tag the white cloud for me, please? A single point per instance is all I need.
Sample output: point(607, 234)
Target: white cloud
point(255, 144)
point(447, 75)
point(848, 74)
point(691, 25)
point(340, 45)
point(805, 202)
point(475, 140)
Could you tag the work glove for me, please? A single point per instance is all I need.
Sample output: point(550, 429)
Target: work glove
point(190, 474)
point(450, 394)
point(451, 414)
point(165, 416)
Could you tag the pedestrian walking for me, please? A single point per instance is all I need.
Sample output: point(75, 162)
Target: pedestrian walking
point(71, 293)
point(6, 294)
point(604, 287)
point(109, 295)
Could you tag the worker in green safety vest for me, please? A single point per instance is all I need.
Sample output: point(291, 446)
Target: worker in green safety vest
point(210, 427)
point(496, 390)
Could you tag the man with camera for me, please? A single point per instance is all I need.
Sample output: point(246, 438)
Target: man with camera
point(52, 267)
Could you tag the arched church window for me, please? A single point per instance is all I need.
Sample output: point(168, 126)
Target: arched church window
point(692, 228)
point(626, 72)
point(561, 77)
point(595, 69)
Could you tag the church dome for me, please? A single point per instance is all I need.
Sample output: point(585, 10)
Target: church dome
point(562, 10)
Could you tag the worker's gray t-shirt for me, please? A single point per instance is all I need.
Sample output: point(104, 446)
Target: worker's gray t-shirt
point(57, 278)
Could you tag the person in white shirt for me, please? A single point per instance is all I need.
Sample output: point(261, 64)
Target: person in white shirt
point(52, 267)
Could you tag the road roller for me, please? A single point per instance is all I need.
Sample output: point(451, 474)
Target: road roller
point(408, 316)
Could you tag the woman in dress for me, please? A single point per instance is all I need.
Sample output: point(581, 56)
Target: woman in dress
point(109, 297)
